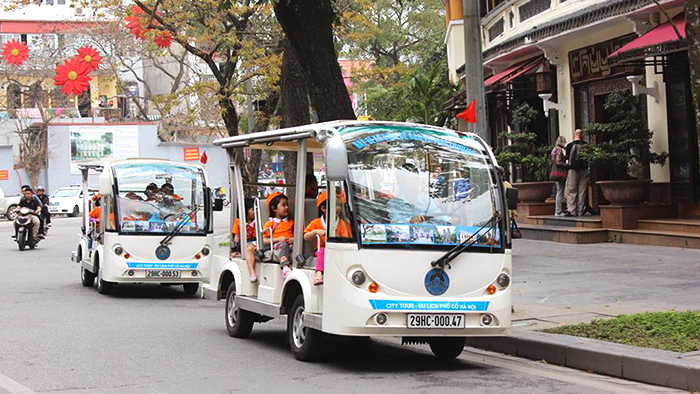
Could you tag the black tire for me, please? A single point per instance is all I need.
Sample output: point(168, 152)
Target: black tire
point(75, 213)
point(239, 323)
point(10, 213)
point(103, 287)
point(447, 348)
point(21, 240)
point(190, 288)
point(305, 343)
point(87, 278)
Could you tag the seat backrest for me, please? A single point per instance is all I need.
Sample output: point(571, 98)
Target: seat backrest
point(262, 215)
point(310, 213)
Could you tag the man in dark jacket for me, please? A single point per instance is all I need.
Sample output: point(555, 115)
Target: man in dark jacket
point(44, 198)
point(577, 178)
point(34, 204)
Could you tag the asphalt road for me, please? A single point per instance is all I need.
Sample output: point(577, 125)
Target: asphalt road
point(58, 337)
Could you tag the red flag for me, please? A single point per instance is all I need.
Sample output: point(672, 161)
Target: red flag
point(204, 158)
point(469, 114)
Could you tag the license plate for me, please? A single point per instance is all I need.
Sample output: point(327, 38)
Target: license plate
point(424, 320)
point(163, 274)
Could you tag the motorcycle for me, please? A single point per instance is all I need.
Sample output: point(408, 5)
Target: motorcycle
point(23, 229)
point(220, 193)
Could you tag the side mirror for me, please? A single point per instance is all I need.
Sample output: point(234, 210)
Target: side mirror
point(512, 198)
point(335, 155)
point(218, 204)
point(105, 183)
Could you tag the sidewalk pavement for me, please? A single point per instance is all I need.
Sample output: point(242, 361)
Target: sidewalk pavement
point(557, 284)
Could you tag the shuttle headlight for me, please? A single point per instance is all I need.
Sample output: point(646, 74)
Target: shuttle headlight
point(205, 251)
point(358, 278)
point(486, 319)
point(381, 319)
point(118, 250)
point(503, 280)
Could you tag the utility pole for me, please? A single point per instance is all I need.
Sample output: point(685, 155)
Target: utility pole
point(474, 66)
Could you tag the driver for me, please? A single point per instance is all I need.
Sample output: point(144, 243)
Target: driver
point(413, 205)
point(34, 204)
point(171, 204)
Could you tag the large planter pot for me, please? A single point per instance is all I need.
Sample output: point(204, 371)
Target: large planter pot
point(625, 192)
point(533, 192)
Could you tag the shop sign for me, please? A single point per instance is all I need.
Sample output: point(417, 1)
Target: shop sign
point(591, 62)
point(4, 175)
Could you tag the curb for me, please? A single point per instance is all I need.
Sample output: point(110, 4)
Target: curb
point(644, 365)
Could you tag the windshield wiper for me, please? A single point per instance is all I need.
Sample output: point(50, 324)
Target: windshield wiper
point(175, 231)
point(451, 254)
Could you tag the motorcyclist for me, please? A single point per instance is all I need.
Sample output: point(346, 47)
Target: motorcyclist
point(44, 198)
point(34, 204)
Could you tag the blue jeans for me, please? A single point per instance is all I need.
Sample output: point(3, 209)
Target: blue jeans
point(561, 186)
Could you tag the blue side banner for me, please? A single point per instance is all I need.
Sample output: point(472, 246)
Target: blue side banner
point(400, 305)
point(163, 265)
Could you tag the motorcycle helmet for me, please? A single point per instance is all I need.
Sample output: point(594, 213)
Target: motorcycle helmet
point(40, 188)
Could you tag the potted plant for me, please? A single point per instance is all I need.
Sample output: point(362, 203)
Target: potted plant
point(623, 148)
point(530, 159)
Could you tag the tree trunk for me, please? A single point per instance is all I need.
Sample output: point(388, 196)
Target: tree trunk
point(228, 112)
point(308, 25)
point(295, 107)
point(692, 32)
point(251, 167)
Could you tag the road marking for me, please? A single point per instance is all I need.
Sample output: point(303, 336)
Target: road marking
point(14, 387)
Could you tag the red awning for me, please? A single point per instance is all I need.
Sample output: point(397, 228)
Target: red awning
point(658, 41)
point(513, 71)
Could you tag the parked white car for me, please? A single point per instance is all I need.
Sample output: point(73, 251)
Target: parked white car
point(8, 205)
point(68, 201)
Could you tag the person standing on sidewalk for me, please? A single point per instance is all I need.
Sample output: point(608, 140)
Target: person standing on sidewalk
point(577, 179)
point(558, 173)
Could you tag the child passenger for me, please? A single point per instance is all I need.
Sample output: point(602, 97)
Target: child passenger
point(317, 227)
point(250, 237)
point(282, 229)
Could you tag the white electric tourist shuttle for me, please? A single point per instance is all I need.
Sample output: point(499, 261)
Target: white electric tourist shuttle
point(150, 223)
point(417, 239)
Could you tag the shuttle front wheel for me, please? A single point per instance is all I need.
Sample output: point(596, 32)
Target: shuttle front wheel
point(447, 347)
point(239, 323)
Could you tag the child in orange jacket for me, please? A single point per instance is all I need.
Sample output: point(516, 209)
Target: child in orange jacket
point(281, 229)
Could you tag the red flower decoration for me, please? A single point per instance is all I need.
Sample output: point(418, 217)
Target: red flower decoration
point(163, 38)
point(73, 76)
point(89, 55)
point(15, 52)
point(137, 22)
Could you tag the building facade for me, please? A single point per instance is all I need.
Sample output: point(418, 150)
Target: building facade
point(560, 49)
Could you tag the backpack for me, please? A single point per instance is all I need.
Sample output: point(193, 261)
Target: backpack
point(575, 160)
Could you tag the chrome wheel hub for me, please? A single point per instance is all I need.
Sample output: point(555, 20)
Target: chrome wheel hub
point(298, 328)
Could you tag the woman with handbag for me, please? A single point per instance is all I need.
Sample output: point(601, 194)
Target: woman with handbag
point(558, 171)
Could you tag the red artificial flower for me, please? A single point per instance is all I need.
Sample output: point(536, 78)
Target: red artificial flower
point(89, 55)
point(135, 23)
point(73, 75)
point(15, 52)
point(163, 38)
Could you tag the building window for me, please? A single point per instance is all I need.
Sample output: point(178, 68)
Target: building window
point(496, 30)
point(532, 8)
point(492, 4)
